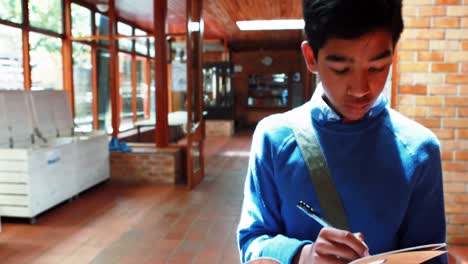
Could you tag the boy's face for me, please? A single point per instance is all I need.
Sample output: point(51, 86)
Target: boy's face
point(353, 72)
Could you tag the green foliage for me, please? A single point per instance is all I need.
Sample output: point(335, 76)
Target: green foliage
point(46, 14)
point(11, 10)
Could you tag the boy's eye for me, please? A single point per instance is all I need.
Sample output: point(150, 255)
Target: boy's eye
point(341, 71)
point(376, 70)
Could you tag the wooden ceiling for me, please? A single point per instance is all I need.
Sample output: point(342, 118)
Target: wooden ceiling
point(220, 17)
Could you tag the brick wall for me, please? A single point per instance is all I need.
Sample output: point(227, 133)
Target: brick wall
point(147, 164)
point(432, 88)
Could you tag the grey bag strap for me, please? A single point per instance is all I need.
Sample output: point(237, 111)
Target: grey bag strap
point(301, 124)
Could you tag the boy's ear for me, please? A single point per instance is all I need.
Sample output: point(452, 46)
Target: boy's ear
point(309, 57)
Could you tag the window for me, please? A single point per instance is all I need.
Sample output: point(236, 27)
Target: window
point(11, 10)
point(81, 20)
point(104, 105)
point(126, 30)
point(82, 86)
point(46, 62)
point(141, 88)
point(141, 44)
point(46, 14)
point(126, 100)
point(151, 47)
point(102, 28)
point(11, 58)
point(152, 92)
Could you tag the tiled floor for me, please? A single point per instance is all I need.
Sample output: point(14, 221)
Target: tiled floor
point(117, 223)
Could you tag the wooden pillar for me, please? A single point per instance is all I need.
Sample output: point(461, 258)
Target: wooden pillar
point(26, 57)
point(160, 24)
point(114, 89)
point(67, 55)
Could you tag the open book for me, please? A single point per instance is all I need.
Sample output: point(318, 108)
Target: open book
point(411, 255)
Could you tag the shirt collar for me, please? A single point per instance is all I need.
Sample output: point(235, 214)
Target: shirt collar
point(323, 113)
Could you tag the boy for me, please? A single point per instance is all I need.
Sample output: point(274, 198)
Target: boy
point(385, 168)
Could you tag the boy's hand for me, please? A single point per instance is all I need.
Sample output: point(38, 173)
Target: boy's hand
point(333, 246)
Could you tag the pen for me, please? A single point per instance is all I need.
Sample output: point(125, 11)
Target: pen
point(310, 212)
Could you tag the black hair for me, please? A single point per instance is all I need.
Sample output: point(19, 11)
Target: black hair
point(348, 19)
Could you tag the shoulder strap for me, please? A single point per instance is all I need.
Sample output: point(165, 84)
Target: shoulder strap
point(301, 124)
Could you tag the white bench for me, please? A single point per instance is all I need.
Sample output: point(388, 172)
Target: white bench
point(42, 161)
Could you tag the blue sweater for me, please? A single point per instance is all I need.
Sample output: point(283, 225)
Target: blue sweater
point(386, 169)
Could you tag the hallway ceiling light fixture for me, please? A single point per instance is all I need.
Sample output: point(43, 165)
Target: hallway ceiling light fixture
point(102, 7)
point(281, 24)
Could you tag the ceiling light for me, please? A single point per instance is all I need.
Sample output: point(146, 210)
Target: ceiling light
point(102, 7)
point(282, 24)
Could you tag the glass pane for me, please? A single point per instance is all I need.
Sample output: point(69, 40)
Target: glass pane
point(268, 90)
point(11, 10)
point(125, 68)
point(11, 58)
point(46, 62)
point(82, 86)
point(141, 44)
point(102, 28)
point(46, 14)
point(142, 88)
point(151, 46)
point(81, 20)
point(153, 93)
point(124, 29)
point(104, 105)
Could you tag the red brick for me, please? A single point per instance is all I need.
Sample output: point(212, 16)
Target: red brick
point(463, 89)
point(444, 67)
point(444, 45)
point(457, 79)
point(454, 187)
point(462, 133)
point(446, 22)
point(447, 155)
point(429, 122)
point(456, 177)
point(411, 111)
point(443, 89)
point(444, 133)
point(429, 100)
point(414, 45)
point(462, 112)
point(418, 2)
point(456, 56)
point(457, 34)
point(447, 2)
point(458, 240)
point(432, 11)
point(413, 67)
point(430, 56)
point(455, 229)
point(406, 100)
point(464, 67)
point(418, 22)
point(409, 11)
point(461, 155)
point(442, 111)
point(456, 209)
point(461, 198)
point(456, 100)
point(457, 11)
point(406, 55)
point(413, 89)
point(464, 21)
point(456, 122)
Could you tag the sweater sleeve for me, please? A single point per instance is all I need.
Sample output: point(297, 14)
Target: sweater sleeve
point(261, 229)
point(424, 221)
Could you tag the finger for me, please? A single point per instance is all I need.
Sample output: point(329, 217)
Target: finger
point(346, 238)
point(359, 236)
point(326, 247)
